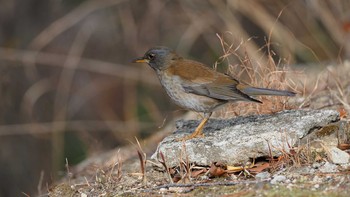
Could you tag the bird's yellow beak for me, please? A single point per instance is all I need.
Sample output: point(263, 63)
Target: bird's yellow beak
point(140, 60)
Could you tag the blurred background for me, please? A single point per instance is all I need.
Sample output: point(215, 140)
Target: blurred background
point(69, 91)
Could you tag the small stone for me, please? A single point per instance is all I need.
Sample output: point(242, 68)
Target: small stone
point(328, 178)
point(337, 156)
point(262, 176)
point(278, 179)
point(305, 170)
point(204, 177)
point(317, 179)
point(312, 171)
point(345, 166)
point(303, 179)
point(329, 167)
point(316, 165)
point(233, 177)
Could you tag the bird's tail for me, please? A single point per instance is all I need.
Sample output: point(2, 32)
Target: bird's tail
point(251, 91)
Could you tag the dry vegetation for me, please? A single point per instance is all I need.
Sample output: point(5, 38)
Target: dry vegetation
point(267, 74)
point(143, 177)
point(68, 89)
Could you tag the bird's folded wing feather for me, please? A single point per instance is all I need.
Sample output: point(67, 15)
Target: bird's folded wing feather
point(198, 79)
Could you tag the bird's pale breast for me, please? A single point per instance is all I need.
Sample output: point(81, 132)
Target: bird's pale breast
point(173, 86)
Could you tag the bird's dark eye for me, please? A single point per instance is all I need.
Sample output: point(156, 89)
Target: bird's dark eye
point(151, 56)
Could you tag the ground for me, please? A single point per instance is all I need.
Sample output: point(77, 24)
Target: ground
point(127, 171)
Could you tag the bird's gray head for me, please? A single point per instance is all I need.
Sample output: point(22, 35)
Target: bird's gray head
point(159, 58)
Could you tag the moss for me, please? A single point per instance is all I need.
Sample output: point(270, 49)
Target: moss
point(327, 130)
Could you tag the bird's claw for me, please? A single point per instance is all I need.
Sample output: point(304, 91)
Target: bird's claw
point(188, 137)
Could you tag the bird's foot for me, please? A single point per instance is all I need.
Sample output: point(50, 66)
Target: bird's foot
point(198, 132)
point(188, 137)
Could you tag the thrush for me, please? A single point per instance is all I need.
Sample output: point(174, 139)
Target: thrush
point(194, 86)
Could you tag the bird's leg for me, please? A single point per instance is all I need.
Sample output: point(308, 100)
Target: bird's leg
point(198, 131)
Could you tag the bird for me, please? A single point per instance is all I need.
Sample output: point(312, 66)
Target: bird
point(196, 87)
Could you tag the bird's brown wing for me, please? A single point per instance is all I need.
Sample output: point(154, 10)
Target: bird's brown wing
point(198, 79)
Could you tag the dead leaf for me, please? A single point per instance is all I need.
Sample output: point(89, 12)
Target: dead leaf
point(172, 171)
point(217, 169)
point(232, 169)
point(259, 167)
point(176, 178)
point(342, 113)
point(344, 146)
point(196, 173)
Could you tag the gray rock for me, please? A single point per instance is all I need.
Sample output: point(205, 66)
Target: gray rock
point(262, 176)
point(238, 140)
point(278, 179)
point(317, 179)
point(305, 170)
point(329, 167)
point(337, 156)
point(316, 165)
point(326, 135)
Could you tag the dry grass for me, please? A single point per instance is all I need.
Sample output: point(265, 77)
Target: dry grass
point(332, 83)
point(74, 75)
point(267, 74)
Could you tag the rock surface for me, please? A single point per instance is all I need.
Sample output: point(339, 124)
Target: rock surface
point(337, 156)
point(329, 168)
point(263, 176)
point(278, 179)
point(238, 140)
